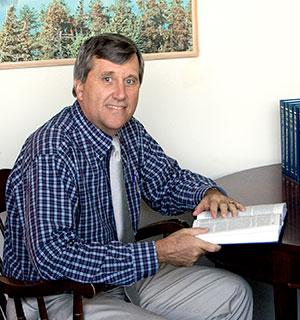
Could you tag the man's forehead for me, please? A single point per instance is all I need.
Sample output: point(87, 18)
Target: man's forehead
point(131, 65)
point(132, 60)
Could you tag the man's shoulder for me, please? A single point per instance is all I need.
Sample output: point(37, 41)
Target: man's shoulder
point(133, 128)
point(47, 140)
point(52, 135)
point(134, 122)
point(136, 135)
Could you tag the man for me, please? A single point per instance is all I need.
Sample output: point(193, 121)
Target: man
point(60, 203)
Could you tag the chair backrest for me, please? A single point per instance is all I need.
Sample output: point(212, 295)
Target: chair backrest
point(4, 173)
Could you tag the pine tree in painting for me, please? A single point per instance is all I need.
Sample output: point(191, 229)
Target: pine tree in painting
point(178, 27)
point(153, 29)
point(28, 24)
point(56, 36)
point(97, 17)
point(122, 19)
point(80, 23)
point(10, 49)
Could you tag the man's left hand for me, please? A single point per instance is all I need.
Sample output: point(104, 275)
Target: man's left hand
point(215, 201)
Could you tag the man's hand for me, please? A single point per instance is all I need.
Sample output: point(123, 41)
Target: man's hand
point(214, 200)
point(182, 248)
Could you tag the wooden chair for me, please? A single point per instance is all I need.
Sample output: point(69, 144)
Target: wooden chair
point(17, 289)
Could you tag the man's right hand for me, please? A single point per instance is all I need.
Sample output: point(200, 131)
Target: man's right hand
point(182, 248)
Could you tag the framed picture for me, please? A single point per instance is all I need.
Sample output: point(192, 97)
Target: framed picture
point(50, 32)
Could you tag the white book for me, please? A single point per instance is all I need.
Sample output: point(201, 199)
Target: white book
point(260, 223)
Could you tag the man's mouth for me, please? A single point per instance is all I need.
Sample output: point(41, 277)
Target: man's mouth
point(115, 107)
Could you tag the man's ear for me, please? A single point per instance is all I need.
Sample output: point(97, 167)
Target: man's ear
point(78, 86)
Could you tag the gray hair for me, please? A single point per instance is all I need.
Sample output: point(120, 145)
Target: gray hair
point(113, 47)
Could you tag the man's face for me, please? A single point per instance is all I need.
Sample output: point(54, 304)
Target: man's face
point(110, 94)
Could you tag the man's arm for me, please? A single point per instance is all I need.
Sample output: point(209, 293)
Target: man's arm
point(58, 250)
point(171, 190)
point(165, 186)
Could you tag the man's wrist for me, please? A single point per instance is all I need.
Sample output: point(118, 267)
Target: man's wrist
point(213, 189)
point(159, 251)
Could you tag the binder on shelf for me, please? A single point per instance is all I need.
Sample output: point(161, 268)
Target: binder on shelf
point(290, 144)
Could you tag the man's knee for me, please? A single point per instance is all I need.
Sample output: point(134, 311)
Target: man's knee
point(241, 305)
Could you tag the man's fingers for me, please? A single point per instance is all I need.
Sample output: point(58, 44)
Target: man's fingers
point(234, 207)
point(204, 245)
point(240, 206)
point(196, 231)
point(223, 206)
point(214, 207)
point(202, 206)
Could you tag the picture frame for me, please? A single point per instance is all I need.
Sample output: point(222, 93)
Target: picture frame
point(189, 34)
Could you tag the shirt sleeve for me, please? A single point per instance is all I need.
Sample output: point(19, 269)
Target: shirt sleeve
point(56, 249)
point(165, 186)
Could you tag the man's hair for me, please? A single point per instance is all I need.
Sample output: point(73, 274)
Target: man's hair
point(113, 47)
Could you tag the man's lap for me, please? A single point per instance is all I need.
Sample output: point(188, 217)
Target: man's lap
point(197, 292)
point(102, 306)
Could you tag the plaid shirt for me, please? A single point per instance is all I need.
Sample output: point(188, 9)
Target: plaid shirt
point(60, 220)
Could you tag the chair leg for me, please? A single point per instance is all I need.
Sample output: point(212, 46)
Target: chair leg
point(2, 315)
point(42, 308)
point(19, 309)
point(3, 302)
point(77, 307)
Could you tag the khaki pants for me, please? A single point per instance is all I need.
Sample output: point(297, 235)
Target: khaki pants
point(186, 293)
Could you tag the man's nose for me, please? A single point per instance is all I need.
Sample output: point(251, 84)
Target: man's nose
point(119, 91)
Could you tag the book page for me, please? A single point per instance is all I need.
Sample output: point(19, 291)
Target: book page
point(262, 209)
point(265, 209)
point(239, 223)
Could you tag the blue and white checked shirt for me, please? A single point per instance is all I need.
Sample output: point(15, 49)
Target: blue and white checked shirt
point(60, 220)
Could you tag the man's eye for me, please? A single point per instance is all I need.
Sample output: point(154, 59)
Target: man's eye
point(130, 81)
point(107, 79)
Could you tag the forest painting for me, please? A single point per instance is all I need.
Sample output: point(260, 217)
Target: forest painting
point(53, 30)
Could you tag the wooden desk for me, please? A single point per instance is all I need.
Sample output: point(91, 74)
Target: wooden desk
point(274, 263)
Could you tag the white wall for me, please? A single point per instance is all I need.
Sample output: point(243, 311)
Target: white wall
point(217, 113)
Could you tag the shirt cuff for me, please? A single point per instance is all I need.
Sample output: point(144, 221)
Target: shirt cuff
point(145, 259)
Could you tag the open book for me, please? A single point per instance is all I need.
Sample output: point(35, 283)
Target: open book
point(260, 223)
